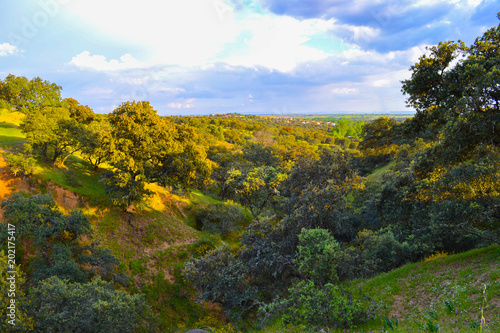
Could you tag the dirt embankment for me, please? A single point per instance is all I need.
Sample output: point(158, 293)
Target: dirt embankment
point(10, 183)
point(65, 198)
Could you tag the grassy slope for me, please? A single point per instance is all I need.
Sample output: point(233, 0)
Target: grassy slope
point(78, 177)
point(10, 133)
point(377, 174)
point(412, 291)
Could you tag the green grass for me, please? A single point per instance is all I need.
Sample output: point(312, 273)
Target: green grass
point(377, 174)
point(77, 176)
point(10, 133)
point(199, 198)
point(412, 292)
point(10, 118)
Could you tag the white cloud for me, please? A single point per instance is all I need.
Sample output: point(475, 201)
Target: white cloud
point(460, 3)
point(416, 52)
point(362, 33)
point(197, 33)
point(97, 91)
point(188, 32)
point(7, 49)
point(186, 104)
point(381, 83)
point(344, 91)
point(389, 78)
point(99, 63)
point(179, 106)
point(172, 90)
point(474, 3)
point(278, 42)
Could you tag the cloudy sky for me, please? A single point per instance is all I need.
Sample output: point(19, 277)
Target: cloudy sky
point(218, 56)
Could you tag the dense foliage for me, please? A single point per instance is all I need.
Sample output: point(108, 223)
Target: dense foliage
point(441, 193)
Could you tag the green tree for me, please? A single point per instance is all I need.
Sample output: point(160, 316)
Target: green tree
point(377, 134)
point(223, 217)
point(316, 194)
point(20, 321)
point(54, 127)
point(20, 163)
point(83, 114)
point(256, 188)
point(148, 148)
point(142, 139)
point(188, 165)
point(55, 238)
point(456, 172)
point(379, 144)
point(431, 85)
point(30, 96)
point(97, 144)
point(52, 133)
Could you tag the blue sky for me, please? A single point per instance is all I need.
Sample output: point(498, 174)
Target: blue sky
point(217, 56)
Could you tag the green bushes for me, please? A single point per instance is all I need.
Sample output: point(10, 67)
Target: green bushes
point(316, 255)
point(316, 301)
point(57, 305)
point(20, 164)
point(319, 307)
point(221, 277)
point(223, 218)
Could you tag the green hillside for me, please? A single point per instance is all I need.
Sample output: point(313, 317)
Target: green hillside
point(456, 289)
point(444, 293)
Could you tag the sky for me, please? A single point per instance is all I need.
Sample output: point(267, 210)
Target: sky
point(195, 57)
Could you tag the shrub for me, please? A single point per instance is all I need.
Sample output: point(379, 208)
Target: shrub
point(316, 254)
point(436, 256)
point(319, 307)
point(19, 163)
point(206, 243)
point(60, 306)
point(221, 277)
point(223, 218)
point(386, 250)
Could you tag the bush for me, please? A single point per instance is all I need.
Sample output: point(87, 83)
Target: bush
point(223, 218)
point(19, 163)
point(59, 306)
point(372, 253)
point(206, 243)
point(320, 307)
point(316, 255)
point(221, 277)
point(387, 252)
